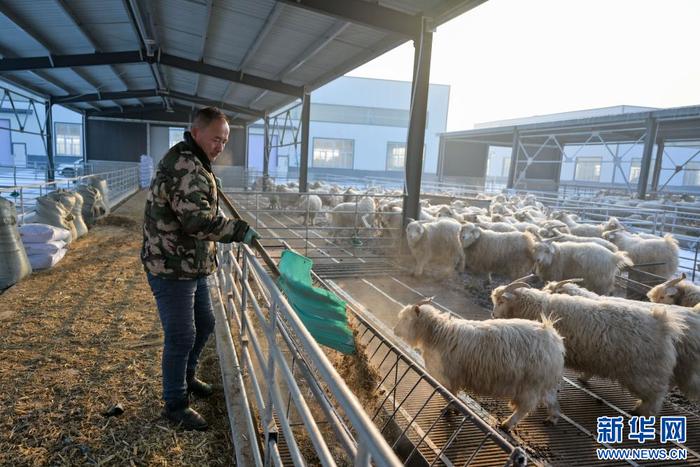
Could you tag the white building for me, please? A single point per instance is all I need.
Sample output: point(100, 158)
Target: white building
point(358, 126)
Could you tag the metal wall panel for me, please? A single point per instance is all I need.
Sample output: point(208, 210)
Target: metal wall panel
point(463, 159)
point(115, 141)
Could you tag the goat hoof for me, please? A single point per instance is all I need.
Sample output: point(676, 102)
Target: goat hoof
point(551, 421)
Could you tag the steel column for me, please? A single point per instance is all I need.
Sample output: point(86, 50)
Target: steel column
point(649, 140)
point(416, 128)
point(83, 135)
point(266, 148)
point(304, 157)
point(658, 162)
point(49, 140)
point(513, 158)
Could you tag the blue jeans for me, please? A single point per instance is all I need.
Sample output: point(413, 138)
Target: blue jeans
point(186, 314)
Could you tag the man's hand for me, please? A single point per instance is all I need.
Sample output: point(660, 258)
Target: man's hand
point(250, 235)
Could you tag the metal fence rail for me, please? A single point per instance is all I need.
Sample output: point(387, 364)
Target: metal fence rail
point(122, 181)
point(288, 217)
point(418, 416)
point(274, 346)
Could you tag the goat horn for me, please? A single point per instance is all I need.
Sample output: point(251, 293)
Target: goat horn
point(515, 285)
point(675, 281)
point(568, 281)
point(526, 278)
point(425, 301)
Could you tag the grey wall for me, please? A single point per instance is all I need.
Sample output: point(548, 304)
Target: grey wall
point(115, 141)
point(159, 143)
point(463, 159)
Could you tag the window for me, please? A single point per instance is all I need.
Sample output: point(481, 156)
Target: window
point(691, 174)
point(635, 169)
point(588, 169)
point(175, 135)
point(68, 139)
point(395, 156)
point(333, 153)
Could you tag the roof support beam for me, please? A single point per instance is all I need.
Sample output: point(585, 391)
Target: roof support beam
point(41, 75)
point(12, 16)
point(226, 74)
point(155, 112)
point(365, 13)
point(106, 96)
point(147, 43)
point(210, 103)
point(255, 45)
point(67, 61)
point(203, 45)
point(310, 51)
point(91, 40)
point(142, 93)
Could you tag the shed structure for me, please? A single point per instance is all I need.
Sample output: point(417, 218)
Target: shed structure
point(157, 61)
point(538, 149)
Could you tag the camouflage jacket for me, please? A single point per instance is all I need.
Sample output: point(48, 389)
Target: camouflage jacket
point(182, 222)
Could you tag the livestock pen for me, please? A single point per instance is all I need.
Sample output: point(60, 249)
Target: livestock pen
point(376, 286)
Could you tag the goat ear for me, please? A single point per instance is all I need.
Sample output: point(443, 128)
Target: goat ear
point(507, 296)
point(410, 219)
point(416, 309)
point(671, 290)
point(476, 233)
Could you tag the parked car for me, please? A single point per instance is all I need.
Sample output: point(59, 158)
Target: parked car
point(67, 170)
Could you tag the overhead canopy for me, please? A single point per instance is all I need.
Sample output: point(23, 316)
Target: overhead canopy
point(674, 124)
point(162, 58)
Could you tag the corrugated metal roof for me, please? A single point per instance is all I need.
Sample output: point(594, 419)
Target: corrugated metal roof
point(278, 41)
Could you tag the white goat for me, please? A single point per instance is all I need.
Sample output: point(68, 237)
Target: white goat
point(594, 263)
point(284, 197)
point(518, 359)
point(628, 344)
point(559, 237)
point(676, 291)
point(648, 250)
point(353, 215)
point(686, 373)
point(506, 253)
point(586, 230)
point(311, 205)
point(435, 242)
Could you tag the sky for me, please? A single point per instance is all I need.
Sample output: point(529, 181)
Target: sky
point(519, 58)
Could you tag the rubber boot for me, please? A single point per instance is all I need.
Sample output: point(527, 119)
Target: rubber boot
point(197, 387)
point(180, 412)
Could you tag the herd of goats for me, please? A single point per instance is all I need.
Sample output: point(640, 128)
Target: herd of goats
point(520, 354)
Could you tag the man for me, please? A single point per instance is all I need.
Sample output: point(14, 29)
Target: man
point(182, 224)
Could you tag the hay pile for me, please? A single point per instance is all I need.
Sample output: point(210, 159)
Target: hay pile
point(81, 337)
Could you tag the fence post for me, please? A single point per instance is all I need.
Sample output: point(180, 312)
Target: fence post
point(695, 260)
point(306, 222)
point(270, 377)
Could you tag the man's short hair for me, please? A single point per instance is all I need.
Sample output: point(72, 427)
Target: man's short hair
point(205, 116)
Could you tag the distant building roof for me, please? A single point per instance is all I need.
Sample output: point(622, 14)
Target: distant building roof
point(572, 115)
